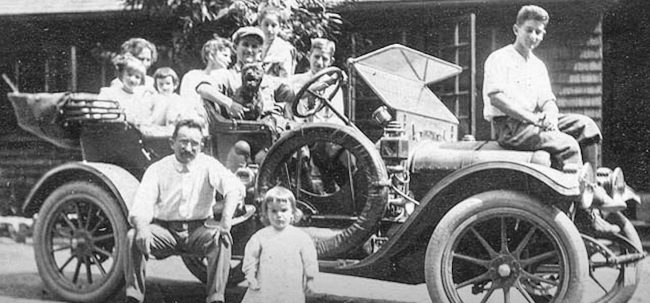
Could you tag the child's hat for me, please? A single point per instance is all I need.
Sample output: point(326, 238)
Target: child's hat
point(247, 31)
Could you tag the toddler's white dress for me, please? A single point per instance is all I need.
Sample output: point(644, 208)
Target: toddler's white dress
point(281, 260)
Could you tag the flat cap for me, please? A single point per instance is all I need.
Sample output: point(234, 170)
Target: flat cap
point(247, 31)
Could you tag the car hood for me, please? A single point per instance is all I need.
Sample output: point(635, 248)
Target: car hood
point(400, 77)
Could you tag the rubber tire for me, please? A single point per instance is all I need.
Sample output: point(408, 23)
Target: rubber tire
point(453, 224)
point(624, 294)
point(198, 268)
point(112, 210)
point(370, 165)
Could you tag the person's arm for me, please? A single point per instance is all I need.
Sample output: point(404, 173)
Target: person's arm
point(550, 113)
point(495, 83)
point(230, 187)
point(546, 101)
point(231, 201)
point(310, 262)
point(159, 105)
point(211, 93)
point(512, 109)
point(251, 261)
point(141, 212)
point(283, 94)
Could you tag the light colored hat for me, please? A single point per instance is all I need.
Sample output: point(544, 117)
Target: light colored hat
point(247, 31)
point(246, 213)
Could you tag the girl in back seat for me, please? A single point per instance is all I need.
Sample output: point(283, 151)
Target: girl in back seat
point(132, 95)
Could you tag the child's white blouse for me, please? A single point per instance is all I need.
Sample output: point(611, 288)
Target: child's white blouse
point(281, 261)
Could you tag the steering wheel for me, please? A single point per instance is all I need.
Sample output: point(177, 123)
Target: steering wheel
point(334, 74)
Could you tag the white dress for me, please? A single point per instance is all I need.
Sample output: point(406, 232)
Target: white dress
point(137, 105)
point(281, 261)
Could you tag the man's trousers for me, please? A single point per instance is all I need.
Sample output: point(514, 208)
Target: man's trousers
point(176, 238)
point(576, 141)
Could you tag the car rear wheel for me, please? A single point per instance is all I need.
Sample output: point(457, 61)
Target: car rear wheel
point(505, 246)
point(79, 242)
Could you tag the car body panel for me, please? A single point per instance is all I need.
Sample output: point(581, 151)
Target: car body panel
point(122, 184)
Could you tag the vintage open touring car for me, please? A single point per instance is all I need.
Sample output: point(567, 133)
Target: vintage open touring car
point(404, 200)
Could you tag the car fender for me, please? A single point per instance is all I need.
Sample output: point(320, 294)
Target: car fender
point(533, 179)
point(119, 182)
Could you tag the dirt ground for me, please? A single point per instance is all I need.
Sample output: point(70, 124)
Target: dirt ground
point(169, 281)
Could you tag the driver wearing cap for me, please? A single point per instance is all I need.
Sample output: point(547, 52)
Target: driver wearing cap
point(248, 47)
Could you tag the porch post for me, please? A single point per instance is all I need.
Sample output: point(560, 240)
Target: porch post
point(73, 68)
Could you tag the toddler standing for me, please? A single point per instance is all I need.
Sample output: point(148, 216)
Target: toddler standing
point(280, 260)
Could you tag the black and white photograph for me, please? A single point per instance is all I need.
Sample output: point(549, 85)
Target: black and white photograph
point(325, 151)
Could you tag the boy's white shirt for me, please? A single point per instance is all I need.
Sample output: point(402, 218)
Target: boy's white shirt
point(521, 79)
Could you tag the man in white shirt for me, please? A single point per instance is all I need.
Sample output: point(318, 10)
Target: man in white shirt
point(519, 101)
point(173, 201)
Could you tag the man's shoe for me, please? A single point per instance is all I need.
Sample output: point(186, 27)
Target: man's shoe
point(604, 202)
point(600, 225)
point(131, 300)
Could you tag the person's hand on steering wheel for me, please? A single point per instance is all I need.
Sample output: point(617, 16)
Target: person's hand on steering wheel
point(331, 76)
point(325, 81)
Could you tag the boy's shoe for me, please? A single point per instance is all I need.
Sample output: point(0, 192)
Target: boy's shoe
point(604, 202)
point(600, 225)
point(590, 222)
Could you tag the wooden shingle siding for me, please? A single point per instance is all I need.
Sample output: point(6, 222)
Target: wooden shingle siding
point(579, 102)
point(578, 78)
point(573, 90)
point(576, 71)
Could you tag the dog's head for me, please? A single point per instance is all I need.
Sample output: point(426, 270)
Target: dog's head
point(251, 77)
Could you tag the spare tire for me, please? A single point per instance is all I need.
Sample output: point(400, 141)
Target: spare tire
point(369, 191)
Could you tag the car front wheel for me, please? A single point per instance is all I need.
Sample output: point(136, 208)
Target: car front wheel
point(79, 242)
point(504, 246)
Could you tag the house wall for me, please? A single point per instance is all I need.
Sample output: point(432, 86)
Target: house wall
point(572, 49)
point(627, 91)
point(36, 52)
